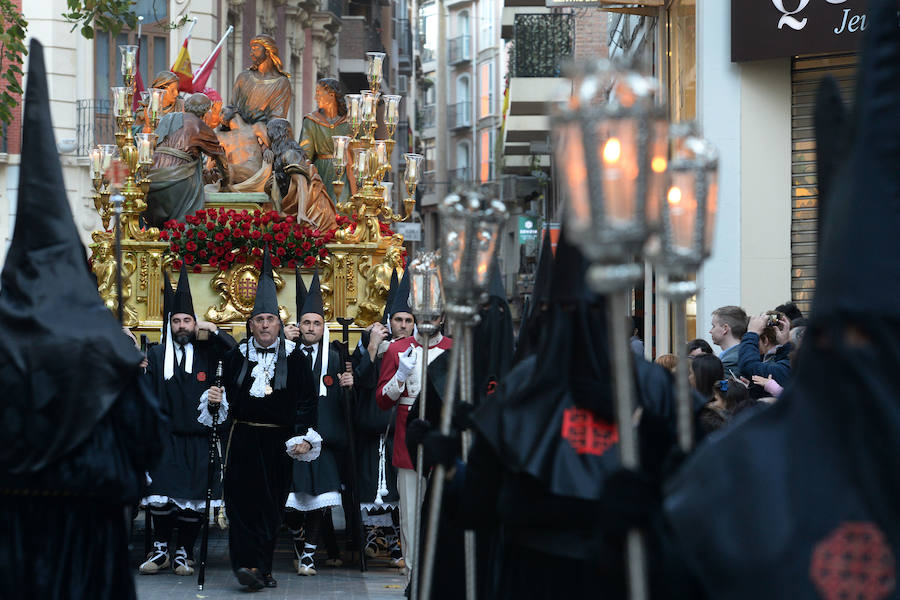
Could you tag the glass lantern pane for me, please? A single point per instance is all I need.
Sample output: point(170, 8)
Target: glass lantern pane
point(570, 155)
point(712, 198)
point(682, 204)
point(617, 159)
point(659, 163)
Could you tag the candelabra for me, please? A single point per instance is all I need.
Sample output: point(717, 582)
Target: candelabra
point(370, 160)
point(135, 151)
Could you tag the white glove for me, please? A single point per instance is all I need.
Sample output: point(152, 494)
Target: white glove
point(407, 363)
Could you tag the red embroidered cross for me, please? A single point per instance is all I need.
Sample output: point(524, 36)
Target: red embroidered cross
point(854, 561)
point(247, 288)
point(586, 433)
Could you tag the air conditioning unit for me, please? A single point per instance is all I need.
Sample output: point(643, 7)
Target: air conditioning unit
point(402, 84)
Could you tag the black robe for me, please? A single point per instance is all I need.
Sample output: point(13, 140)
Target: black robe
point(257, 468)
point(324, 474)
point(80, 502)
point(370, 423)
point(181, 472)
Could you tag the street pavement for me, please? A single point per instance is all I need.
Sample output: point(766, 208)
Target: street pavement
point(380, 582)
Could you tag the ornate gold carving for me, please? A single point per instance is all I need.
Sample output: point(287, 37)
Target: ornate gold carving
point(237, 289)
point(104, 267)
point(378, 282)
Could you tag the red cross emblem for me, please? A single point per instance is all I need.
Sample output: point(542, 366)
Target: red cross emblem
point(586, 433)
point(854, 561)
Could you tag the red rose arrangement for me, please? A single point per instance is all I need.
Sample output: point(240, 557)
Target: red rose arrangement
point(220, 238)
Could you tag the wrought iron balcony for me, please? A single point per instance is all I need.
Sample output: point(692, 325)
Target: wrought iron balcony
point(404, 40)
point(543, 42)
point(459, 49)
point(459, 115)
point(427, 116)
point(427, 55)
point(94, 124)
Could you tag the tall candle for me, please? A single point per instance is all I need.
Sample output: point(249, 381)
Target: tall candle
point(95, 162)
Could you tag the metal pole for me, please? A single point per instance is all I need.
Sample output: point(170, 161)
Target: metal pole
point(617, 310)
point(466, 396)
point(440, 97)
point(682, 383)
point(117, 201)
point(420, 468)
point(458, 314)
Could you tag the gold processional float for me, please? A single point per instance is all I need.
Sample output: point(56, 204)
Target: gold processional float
point(355, 266)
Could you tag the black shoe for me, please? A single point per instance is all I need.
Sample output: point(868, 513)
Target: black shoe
point(269, 581)
point(249, 578)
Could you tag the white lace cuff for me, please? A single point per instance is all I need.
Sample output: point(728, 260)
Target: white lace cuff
point(204, 418)
point(315, 442)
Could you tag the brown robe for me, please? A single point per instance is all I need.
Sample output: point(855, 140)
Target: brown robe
point(259, 97)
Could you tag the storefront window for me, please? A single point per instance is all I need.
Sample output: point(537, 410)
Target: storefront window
point(682, 44)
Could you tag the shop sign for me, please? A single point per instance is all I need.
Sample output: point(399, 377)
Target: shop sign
point(411, 232)
point(529, 229)
point(764, 29)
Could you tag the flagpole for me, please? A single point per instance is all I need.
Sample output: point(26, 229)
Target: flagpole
point(189, 31)
point(213, 54)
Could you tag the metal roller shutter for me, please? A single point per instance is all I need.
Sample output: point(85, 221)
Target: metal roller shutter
point(806, 72)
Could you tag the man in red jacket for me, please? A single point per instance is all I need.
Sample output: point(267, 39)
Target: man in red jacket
point(399, 383)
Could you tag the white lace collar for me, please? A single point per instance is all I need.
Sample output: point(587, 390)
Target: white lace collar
point(263, 372)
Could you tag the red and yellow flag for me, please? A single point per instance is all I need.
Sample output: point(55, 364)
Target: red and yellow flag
point(182, 65)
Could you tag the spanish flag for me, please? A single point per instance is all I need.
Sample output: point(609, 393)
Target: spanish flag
point(182, 65)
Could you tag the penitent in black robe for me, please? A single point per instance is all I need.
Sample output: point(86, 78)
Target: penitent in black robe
point(181, 472)
point(257, 469)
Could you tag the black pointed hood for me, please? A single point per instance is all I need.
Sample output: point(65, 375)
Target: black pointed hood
point(496, 287)
point(541, 289)
point(392, 293)
point(63, 359)
point(301, 292)
point(401, 299)
point(533, 316)
point(567, 283)
point(182, 302)
point(168, 295)
point(266, 294)
point(313, 301)
point(859, 273)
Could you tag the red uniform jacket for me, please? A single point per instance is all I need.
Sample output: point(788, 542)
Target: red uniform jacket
point(390, 391)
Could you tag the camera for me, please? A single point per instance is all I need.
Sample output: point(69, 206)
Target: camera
point(773, 319)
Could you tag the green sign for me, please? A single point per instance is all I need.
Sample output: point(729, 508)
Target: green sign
point(529, 229)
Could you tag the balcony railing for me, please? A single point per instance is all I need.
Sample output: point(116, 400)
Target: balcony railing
point(459, 49)
point(427, 55)
point(428, 116)
point(459, 115)
point(461, 174)
point(542, 44)
point(94, 124)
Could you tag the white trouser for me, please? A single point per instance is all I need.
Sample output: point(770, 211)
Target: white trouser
point(406, 487)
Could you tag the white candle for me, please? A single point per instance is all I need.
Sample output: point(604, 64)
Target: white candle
point(95, 162)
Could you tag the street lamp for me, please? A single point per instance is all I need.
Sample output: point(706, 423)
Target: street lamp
point(426, 304)
point(469, 229)
point(685, 240)
point(610, 143)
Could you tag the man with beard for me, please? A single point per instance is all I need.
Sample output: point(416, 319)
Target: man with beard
point(399, 384)
point(180, 370)
point(263, 91)
point(269, 394)
point(376, 476)
point(316, 485)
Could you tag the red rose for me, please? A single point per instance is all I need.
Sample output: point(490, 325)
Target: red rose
point(219, 251)
point(256, 234)
point(241, 259)
point(219, 237)
point(238, 233)
point(323, 252)
point(257, 264)
point(176, 265)
point(191, 246)
point(257, 252)
point(230, 213)
point(201, 214)
point(267, 237)
point(243, 250)
point(188, 259)
point(189, 234)
point(256, 213)
point(316, 233)
point(306, 246)
point(306, 232)
point(276, 262)
point(246, 225)
point(163, 235)
point(210, 245)
point(197, 269)
point(173, 247)
point(280, 237)
point(309, 261)
point(292, 264)
point(289, 219)
point(291, 245)
point(181, 227)
point(227, 245)
point(244, 213)
point(202, 254)
point(319, 242)
point(280, 251)
point(189, 219)
point(230, 257)
point(170, 224)
point(201, 235)
point(213, 261)
point(210, 225)
point(211, 212)
point(256, 222)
